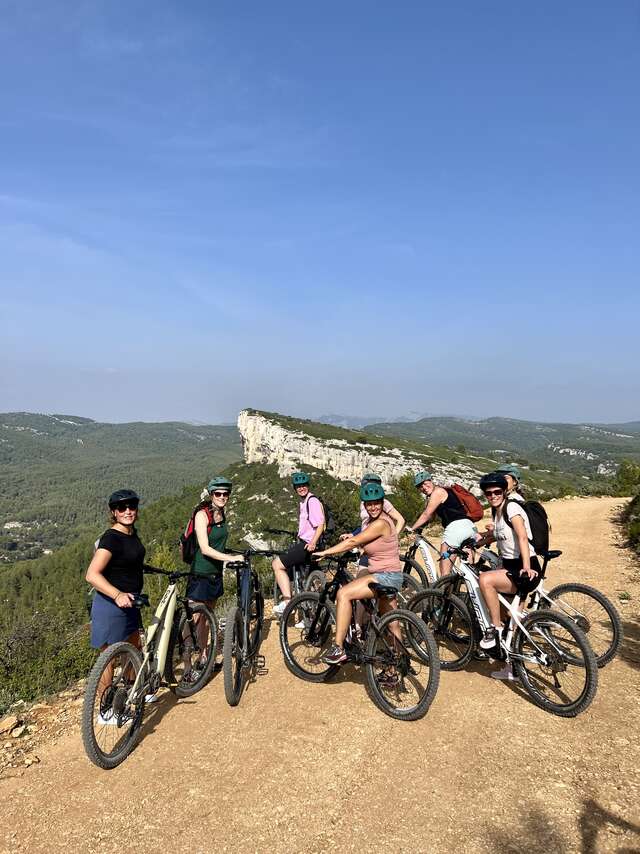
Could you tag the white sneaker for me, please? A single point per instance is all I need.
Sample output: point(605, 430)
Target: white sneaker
point(300, 624)
point(151, 698)
point(279, 608)
point(506, 674)
point(112, 720)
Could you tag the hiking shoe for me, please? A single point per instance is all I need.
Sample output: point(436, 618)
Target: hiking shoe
point(279, 608)
point(151, 698)
point(300, 624)
point(490, 638)
point(505, 674)
point(112, 720)
point(336, 655)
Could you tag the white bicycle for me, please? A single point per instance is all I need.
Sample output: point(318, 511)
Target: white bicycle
point(550, 655)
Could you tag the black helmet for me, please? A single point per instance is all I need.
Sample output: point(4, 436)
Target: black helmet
point(494, 478)
point(122, 495)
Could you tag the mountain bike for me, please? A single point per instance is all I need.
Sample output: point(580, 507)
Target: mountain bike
point(179, 646)
point(396, 649)
point(550, 655)
point(299, 572)
point(589, 609)
point(243, 627)
point(317, 579)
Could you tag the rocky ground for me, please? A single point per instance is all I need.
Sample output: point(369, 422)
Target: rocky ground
point(314, 768)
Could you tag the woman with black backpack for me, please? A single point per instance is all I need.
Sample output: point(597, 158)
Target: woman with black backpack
point(520, 572)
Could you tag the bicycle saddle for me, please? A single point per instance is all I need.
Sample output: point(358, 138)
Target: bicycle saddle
point(140, 600)
point(553, 553)
point(383, 589)
point(236, 564)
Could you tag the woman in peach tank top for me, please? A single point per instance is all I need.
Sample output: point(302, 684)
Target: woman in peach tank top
point(379, 541)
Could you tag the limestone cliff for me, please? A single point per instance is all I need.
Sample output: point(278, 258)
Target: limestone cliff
point(265, 440)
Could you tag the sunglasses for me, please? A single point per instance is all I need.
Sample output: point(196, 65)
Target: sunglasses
point(491, 492)
point(219, 494)
point(121, 506)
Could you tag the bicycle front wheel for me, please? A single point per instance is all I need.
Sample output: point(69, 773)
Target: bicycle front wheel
point(192, 651)
point(416, 571)
point(594, 614)
point(451, 624)
point(316, 581)
point(307, 629)
point(233, 656)
point(110, 724)
point(403, 668)
point(555, 663)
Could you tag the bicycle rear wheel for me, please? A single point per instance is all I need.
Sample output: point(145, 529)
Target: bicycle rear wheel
point(110, 725)
point(233, 655)
point(307, 629)
point(403, 668)
point(594, 614)
point(556, 664)
point(451, 624)
point(192, 650)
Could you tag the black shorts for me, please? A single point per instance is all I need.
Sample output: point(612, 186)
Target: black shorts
point(523, 583)
point(204, 588)
point(297, 555)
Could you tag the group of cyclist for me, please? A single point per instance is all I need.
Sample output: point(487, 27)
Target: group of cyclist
point(116, 569)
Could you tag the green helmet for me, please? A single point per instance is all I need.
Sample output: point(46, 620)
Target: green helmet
point(421, 477)
point(370, 477)
point(371, 492)
point(299, 478)
point(510, 468)
point(219, 483)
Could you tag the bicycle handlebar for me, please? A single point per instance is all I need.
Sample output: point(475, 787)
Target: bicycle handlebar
point(280, 531)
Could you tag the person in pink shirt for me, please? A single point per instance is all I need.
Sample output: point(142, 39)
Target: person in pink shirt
point(311, 523)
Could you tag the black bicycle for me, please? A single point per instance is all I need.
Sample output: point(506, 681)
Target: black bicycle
point(243, 627)
point(396, 649)
point(299, 572)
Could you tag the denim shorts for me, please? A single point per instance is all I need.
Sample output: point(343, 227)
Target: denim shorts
point(389, 579)
point(458, 531)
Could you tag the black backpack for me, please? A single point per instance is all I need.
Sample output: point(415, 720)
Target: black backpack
point(329, 521)
point(538, 522)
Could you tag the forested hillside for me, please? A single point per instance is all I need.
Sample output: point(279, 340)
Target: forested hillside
point(58, 470)
point(43, 618)
point(592, 450)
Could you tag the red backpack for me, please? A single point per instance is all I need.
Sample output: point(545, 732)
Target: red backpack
point(470, 503)
point(188, 539)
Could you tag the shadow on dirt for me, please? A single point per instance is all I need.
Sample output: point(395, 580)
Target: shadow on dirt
point(630, 649)
point(596, 825)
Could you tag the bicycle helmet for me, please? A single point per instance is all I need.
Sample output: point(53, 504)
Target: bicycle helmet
point(494, 478)
point(122, 495)
point(371, 492)
point(510, 468)
point(219, 483)
point(370, 477)
point(420, 478)
point(299, 478)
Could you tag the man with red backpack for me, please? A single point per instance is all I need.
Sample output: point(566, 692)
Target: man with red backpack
point(457, 510)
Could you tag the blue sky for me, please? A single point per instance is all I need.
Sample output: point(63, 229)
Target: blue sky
point(320, 208)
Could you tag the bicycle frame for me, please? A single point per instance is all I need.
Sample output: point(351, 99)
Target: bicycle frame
point(155, 642)
point(462, 568)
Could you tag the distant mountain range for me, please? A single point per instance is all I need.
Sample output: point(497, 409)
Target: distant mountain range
point(588, 449)
point(355, 422)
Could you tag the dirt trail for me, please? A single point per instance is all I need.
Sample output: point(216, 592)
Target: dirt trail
point(301, 767)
